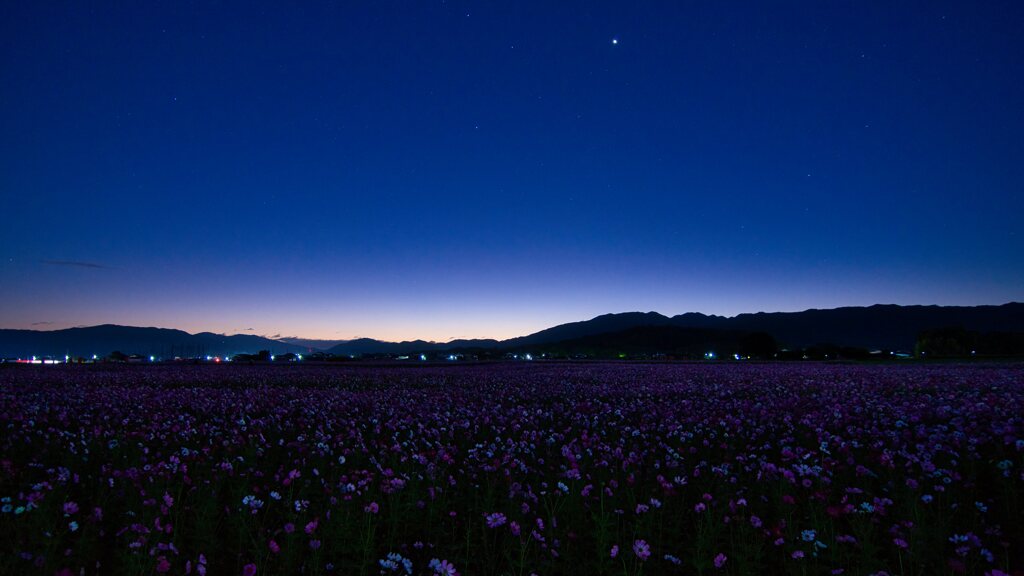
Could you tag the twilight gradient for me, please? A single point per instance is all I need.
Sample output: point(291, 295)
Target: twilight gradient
point(453, 169)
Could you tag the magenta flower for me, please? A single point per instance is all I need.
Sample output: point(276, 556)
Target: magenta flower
point(720, 560)
point(274, 547)
point(495, 519)
point(249, 570)
point(615, 551)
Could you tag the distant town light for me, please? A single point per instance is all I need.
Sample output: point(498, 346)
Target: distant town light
point(152, 358)
point(271, 357)
point(423, 357)
point(709, 355)
point(300, 356)
point(529, 357)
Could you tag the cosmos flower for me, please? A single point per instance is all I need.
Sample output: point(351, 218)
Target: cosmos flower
point(642, 549)
point(495, 519)
point(443, 567)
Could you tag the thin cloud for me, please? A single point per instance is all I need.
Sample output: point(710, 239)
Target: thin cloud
point(41, 323)
point(249, 329)
point(75, 264)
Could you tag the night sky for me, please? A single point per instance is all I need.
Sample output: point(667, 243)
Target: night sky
point(451, 169)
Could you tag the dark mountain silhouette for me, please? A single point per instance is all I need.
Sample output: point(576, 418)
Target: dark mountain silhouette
point(161, 342)
point(311, 343)
point(648, 340)
point(603, 324)
point(889, 327)
point(880, 326)
point(371, 346)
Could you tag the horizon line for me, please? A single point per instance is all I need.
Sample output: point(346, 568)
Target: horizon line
point(284, 339)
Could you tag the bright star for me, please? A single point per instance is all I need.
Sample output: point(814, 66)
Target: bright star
point(615, 40)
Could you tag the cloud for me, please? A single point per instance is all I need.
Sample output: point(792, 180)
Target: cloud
point(41, 323)
point(75, 264)
point(249, 329)
point(276, 336)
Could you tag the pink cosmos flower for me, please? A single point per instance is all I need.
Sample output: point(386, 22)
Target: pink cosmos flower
point(720, 560)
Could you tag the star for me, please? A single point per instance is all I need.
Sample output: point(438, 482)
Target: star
point(615, 40)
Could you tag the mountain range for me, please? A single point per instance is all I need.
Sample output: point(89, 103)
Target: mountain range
point(890, 327)
point(882, 326)
point(160, 342)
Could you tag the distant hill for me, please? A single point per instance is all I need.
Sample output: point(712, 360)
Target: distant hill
point(671, 341)
point(311, 343)
point(162, 342)
point(889, 327)
point(880, 326)
point(371, 346)
point(600, 325)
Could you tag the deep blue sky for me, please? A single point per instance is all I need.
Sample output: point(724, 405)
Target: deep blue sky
point(456, 169)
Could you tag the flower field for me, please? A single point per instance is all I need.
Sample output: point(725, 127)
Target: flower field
point(512, 469)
